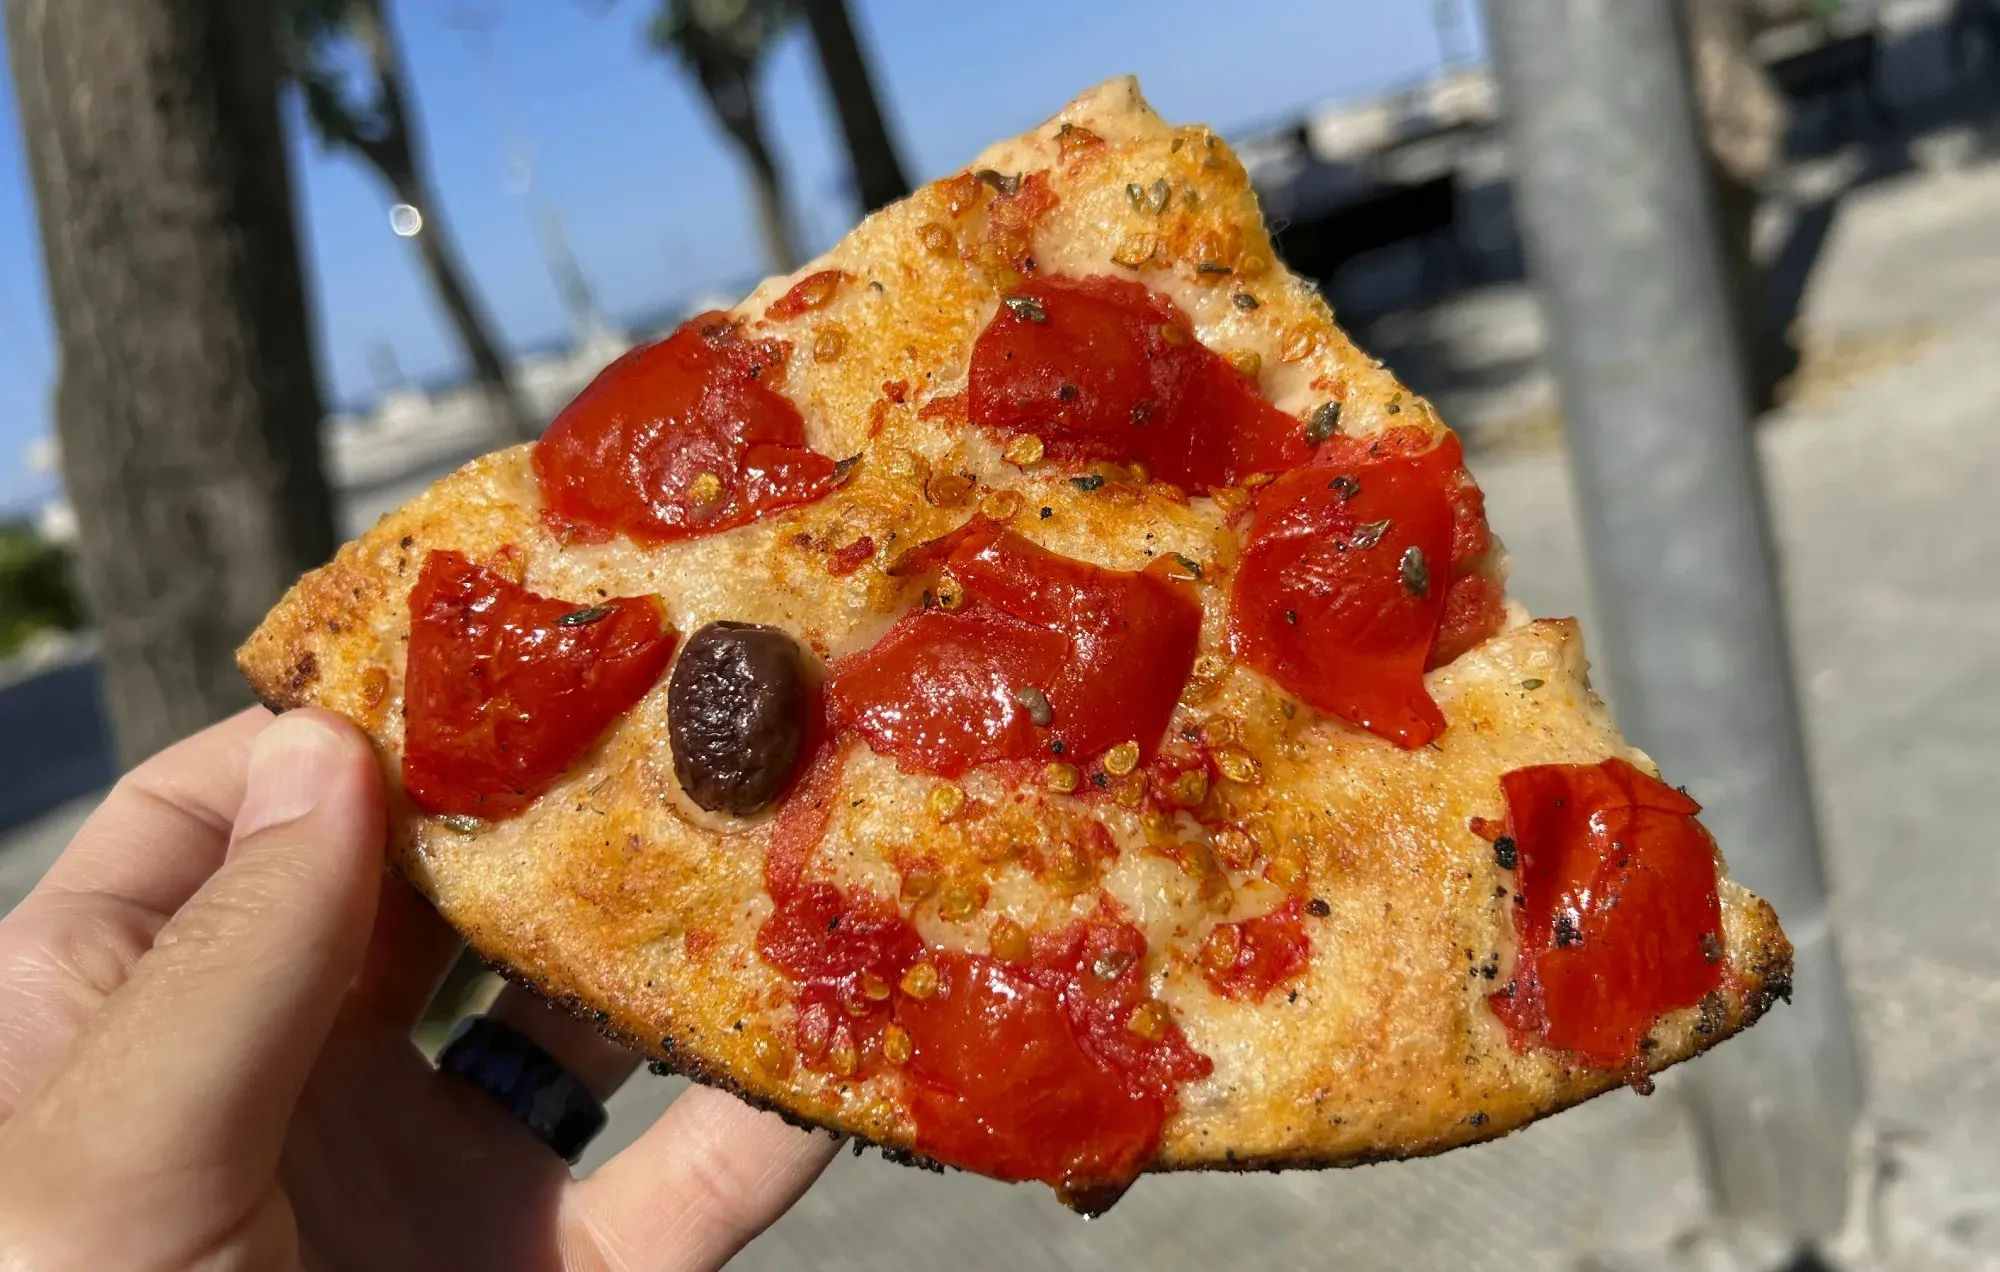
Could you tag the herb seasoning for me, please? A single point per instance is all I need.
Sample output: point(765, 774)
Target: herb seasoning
point(1323, 423)
point(1416, 574)
point(1003, 183)
point(1026, 308)
point(1369, 533)
point(1037, 704)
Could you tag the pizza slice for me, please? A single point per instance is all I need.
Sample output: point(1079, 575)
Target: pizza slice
point(1028, 693)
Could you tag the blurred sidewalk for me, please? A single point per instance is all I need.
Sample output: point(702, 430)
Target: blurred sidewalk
point(1884, 473)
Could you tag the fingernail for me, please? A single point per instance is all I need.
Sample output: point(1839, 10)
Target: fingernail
point(291, 765)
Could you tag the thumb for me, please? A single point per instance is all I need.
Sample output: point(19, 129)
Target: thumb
point(197, 1060)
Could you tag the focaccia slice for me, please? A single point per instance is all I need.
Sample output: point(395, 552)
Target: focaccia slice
point(1161, 780)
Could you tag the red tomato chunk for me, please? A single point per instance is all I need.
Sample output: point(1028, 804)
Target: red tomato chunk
point(505, 690)
point(1341, 587)
point(1474, 601)
point(1618, 920)
point(1342, 594)
point(681, 438)
point(1106, 652)
point(1035, 1070)
point(1103, 368)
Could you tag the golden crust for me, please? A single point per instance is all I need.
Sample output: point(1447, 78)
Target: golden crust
point(608, 896)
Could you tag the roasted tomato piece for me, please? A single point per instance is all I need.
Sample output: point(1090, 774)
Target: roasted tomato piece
point(1474, 601)
point(1056, 1068)
point(1038, 655)
point(1342, 584)
point(1103, 368)
point(1251, 958)
point(839, 952)
point(681, 438)
point(505, 690)
point(1618, 919)
point(1474, 609)
point(940, 691)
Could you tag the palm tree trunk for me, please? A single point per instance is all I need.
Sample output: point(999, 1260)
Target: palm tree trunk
point(878, 174)
point(186, 405)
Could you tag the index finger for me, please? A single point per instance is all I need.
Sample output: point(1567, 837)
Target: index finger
point(704, 1179)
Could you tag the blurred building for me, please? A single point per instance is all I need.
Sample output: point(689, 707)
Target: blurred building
point(414, 426)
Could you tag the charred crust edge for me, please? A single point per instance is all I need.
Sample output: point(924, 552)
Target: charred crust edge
point(281, 692)
point(1770, 977)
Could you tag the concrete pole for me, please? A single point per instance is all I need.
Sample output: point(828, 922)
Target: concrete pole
point(1618, 224)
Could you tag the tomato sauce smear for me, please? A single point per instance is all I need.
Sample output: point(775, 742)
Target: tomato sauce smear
point(1041, 656)
point(686, 437)
point(1618, 920)
point(505, 690)
point(1106, 369)
point(1251, 958)
point(1348, 577)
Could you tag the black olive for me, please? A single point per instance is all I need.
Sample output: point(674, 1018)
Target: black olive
point(736, 714)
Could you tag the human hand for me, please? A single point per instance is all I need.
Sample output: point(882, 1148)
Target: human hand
point(205, 1055)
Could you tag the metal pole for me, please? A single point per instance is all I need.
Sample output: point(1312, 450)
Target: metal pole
point(1617, 221)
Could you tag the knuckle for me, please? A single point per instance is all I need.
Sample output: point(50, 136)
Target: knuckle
point(82, 948)
point(723, 1198)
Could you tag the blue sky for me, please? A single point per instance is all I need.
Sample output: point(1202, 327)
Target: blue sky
point(654, 204)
